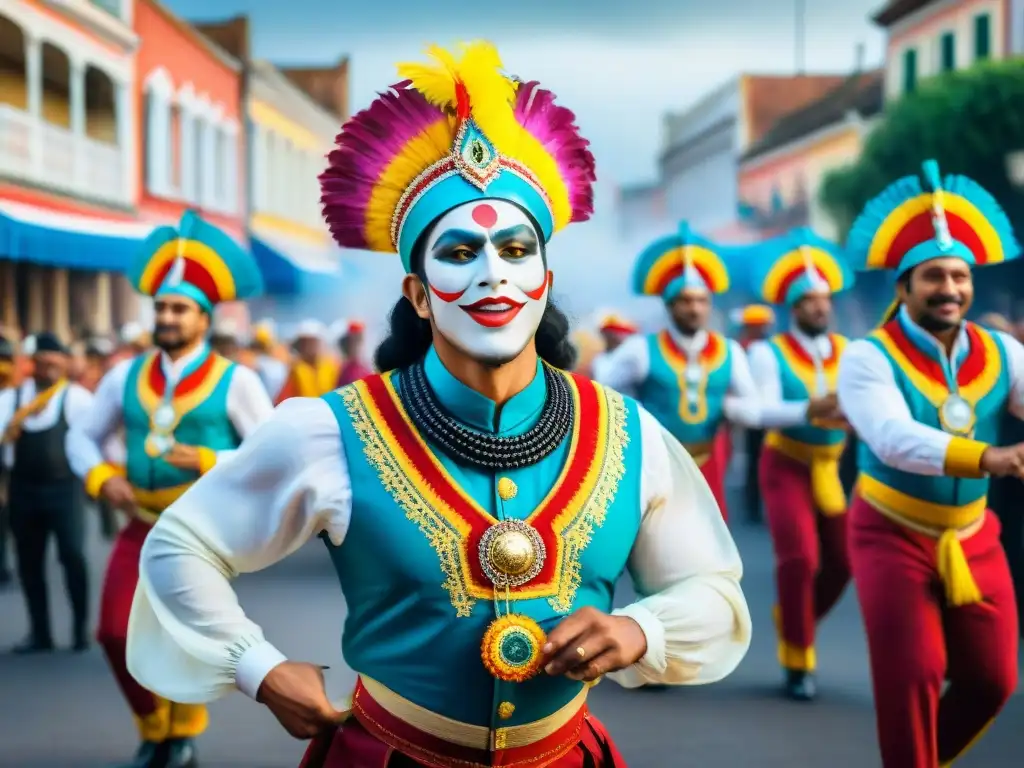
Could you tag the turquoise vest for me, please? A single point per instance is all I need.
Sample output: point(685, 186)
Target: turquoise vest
point(202, 396)
point(417, 612)
point(664, 391)
point(797, 376)
point(983, 380)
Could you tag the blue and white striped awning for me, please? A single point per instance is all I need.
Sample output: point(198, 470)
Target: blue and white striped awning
point(292, 266)
point(68, 240)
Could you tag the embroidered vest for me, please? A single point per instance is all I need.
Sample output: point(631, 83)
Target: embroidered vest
point(983, 380)
point(200, 400)
point(691, 411)
point(418, 601)
point(798, 378)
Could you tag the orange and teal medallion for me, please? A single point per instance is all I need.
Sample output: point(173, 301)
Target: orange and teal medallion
point(511, 554)
point(512, 648)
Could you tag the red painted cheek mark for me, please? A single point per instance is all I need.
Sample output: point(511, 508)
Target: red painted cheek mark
point(538, 292)
point(485, 216)
point(447, 297)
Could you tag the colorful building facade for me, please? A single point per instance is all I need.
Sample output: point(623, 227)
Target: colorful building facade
point(189, 126)
point(68, 163)
point(928, 37)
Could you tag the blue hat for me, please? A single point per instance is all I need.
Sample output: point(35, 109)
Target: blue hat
point(785, 269)
point(198, 261)
point(679, 261)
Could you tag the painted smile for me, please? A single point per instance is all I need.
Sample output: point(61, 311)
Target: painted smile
point(493, 312)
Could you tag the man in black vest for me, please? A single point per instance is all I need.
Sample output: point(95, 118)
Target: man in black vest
point(45, 496)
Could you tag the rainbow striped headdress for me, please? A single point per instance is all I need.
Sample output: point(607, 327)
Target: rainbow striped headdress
point(914, 221)
point(676, 262)
point(454, 131)
point(613, 323)
point(197, 261)
point(757, 314)
point(787, 268)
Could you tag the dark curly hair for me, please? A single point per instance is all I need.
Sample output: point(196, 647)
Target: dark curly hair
point(410, 336)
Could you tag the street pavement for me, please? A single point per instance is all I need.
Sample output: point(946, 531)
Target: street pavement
point(64, 711)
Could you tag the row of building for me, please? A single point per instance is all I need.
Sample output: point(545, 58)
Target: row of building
point(748, 160)
point(115, 117)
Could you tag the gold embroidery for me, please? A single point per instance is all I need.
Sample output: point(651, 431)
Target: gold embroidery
point(446, 540)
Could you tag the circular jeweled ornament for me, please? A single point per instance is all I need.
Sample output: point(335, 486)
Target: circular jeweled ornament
point(164, 417)
point(956, 415)
point(157, 445)
point(511, 553)
point(511, 648)
point(694, 374)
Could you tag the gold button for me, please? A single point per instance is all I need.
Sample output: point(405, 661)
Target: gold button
point(505, 710)
point(507, 489)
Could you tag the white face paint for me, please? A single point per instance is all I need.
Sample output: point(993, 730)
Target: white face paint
point(486, 278)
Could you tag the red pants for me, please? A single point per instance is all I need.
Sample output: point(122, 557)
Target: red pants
point(157, 719)
point(811, 563)
point(917, 642)
point(352, 746)
point(713, 470)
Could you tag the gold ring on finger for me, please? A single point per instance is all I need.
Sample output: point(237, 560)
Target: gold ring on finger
point(581, 652)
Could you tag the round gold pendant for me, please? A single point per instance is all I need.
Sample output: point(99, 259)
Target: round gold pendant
point(956, 415)
point(511, 648)
point(511, 553)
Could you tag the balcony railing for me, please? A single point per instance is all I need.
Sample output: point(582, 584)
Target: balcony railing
point(53, 157)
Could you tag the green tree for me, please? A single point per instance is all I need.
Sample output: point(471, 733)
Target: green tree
point(969, 121)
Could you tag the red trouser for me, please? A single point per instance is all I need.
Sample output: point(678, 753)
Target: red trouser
point(811, 563)
point(917, 642)
point(156, 718)
point(713, 469)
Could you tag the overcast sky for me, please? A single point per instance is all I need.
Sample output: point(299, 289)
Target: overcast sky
point(619, 65)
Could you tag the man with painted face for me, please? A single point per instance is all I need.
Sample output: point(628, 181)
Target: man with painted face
point(478, 502)
point(183, 409)
point(691, 379)
point(803, 495)
point(926, 393)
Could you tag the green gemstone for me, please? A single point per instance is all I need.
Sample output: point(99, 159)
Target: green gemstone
point(516, 648)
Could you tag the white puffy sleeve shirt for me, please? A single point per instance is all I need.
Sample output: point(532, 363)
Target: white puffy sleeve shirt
point(189, 639)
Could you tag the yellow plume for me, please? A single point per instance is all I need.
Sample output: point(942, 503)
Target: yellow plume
point(478, 68)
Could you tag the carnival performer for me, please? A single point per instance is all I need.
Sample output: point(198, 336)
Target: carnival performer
point(350, 345)
point(799, 465)
point(614, 330)
point(314, 369)
point(755, 324)
point(272, 370)
point(926, 393)
point(689, 378)
point(183, 409)
point(474, 478)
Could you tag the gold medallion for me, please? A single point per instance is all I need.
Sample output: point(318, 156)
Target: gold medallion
point(511, 648)
point(511, 553)
point(956, 415)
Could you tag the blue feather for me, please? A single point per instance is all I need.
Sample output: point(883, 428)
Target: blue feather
point(932, 178)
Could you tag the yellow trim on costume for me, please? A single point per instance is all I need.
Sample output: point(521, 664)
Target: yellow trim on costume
point(266, 116)
point(936, 516)
point(315, 381)
point(706, 261)
point(155, 725)
point(935, 391)
point(207, 459)
point(922, 205)
point(805, 370)
point(963, 457)
point(190, 250)
point(823, 461)
point(464, 734)
point(698, 413)
point(98, 475)
point(160, 499)
point(185, 403)
point(796, 261)
point(422, 151)
point(188, 720)
point(447, 531)
point(792, 656)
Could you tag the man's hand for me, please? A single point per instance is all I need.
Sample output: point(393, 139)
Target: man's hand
point(1004, 462)
point(182, 457)
point(822, 407)
point(294, 691)
point(118, 493)
point(608, 643)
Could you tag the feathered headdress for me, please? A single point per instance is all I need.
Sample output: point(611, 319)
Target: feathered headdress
point(678, 261)
point(916, 220)
point(455, 130)
point(195, 260)
point(785, 269)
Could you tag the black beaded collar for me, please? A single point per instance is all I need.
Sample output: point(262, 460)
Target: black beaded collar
point(472, 447)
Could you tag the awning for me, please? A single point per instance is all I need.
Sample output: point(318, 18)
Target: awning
point(292, 266)
point(68, 240)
